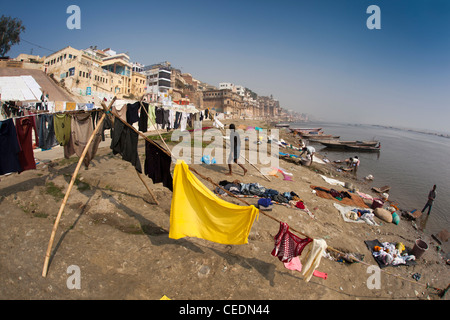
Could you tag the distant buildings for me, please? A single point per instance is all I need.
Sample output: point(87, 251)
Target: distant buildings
point(106, 73)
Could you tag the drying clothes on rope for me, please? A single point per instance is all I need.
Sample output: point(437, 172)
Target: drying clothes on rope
point(124, 141)
point(143, 118)
point(313, 255)
point(198, 212)
point(133, 112)
point(121, 112)
point(47, 138)
point(10, 148)
point(177, 122)
point(157, 165)
point(71, 106)
point(107, 125)
point(166, 123)
point(81, 130)
point(159, 115)
point(62, 123)
point(151, 115)
point(24, 127)
point(296, 265)
point(183, 121)
point(287, 244)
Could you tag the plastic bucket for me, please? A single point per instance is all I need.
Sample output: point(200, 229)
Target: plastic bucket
point(419, 248)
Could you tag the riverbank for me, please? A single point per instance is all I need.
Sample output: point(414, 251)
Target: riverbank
point(112, 230)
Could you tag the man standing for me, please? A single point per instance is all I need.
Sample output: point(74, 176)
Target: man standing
point(431, 197)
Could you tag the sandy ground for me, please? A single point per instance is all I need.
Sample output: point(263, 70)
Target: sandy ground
point(118, 238)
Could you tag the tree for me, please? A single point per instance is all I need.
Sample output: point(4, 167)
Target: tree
point(10, 29)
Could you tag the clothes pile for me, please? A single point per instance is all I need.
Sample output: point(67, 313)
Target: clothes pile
point(353, 214)
point(390, 254)
point(255, 190)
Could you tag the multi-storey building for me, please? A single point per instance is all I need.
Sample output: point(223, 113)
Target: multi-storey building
point(158, 79)
point(224, 101)
point(99, 73)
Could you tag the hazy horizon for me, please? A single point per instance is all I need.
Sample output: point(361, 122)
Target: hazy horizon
point(315, 57)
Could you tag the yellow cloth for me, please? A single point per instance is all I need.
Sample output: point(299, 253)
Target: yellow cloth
point(71, 106)
point(197, 212)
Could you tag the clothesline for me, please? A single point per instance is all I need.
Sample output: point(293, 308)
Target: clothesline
point(53, 113)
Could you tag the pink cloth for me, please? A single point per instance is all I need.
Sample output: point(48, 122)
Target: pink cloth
point(296, 265)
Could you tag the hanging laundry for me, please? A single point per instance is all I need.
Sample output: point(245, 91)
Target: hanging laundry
point(71, 106)
point(313, 256)
point(143, 117)
point(47, 138)
point(296, 265)
point(183, 121)
point(287, 244)
point(197, 212)
point(24, 128)
point(81, 130)
point(159, 115)
point(166, 123)
point(151, 116)
point(62, 124)
point(59, 106)
point(124, 141)
point(177, 121)
point(157, 165)
point(121, 112)
point(133, 112)
point(10, 148)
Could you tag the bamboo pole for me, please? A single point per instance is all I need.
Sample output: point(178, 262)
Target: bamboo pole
point(66, 196)
point(148, 189)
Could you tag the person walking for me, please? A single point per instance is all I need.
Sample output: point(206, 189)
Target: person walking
point(431, 197)
point(235, 151)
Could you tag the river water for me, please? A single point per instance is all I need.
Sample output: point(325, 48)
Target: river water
point(409, 162)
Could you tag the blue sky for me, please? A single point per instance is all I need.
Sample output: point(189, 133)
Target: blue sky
point(316, 57)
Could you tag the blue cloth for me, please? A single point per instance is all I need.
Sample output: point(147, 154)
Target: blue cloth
point(265, 202)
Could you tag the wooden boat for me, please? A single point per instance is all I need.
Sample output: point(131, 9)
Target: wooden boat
point(364, 148)
point(352, 145)
point(320, 137)
point(305, 130)
point(342, 144)
point(381, 189)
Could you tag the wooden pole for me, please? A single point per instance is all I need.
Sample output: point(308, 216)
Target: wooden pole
point(148, 189)
point(66, 196)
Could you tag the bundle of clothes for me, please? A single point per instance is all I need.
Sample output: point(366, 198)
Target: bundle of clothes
point(255, 190)
point(390, 254)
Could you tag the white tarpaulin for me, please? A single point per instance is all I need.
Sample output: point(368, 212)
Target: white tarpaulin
point(21, 88)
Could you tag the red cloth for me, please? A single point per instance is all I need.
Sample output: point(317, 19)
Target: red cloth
point(288, 245)
point(24, 126)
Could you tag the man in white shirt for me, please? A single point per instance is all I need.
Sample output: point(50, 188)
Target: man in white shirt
point(310, 151)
